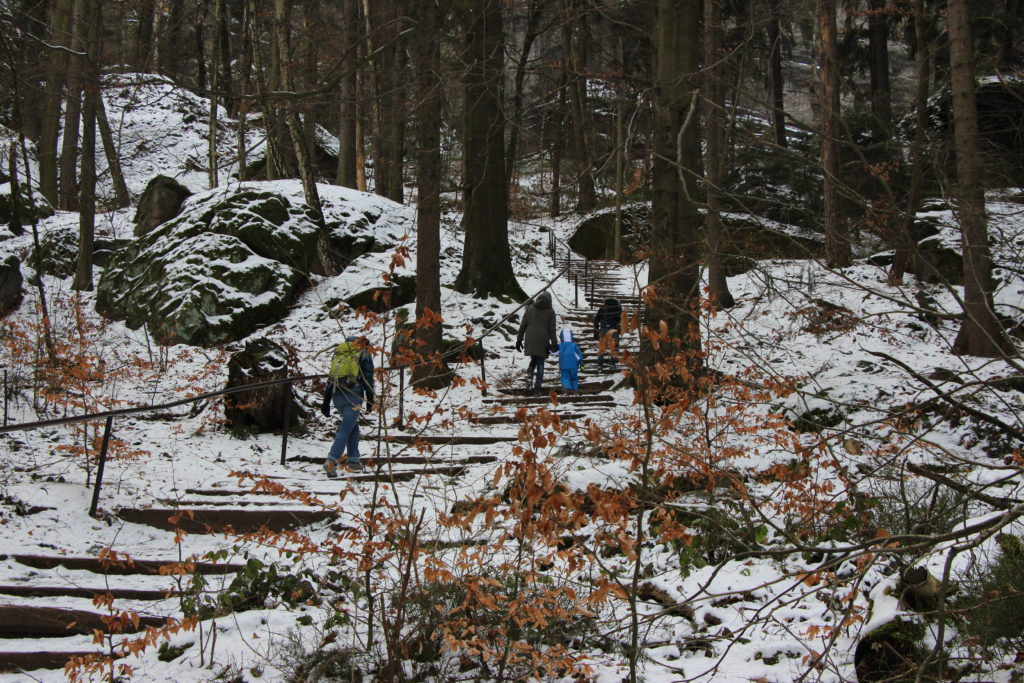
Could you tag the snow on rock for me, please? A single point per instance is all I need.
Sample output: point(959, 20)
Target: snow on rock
point(231, 262)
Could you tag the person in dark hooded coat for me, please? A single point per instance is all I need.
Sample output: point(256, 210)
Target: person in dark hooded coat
point(608, 320)
point(537, 336)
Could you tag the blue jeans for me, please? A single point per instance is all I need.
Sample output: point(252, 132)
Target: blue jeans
point(347, 438)
point(536, 364)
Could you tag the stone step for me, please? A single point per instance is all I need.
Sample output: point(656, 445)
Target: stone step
point(36, 621)
point(587, 399)
point(399, 460)
point(32, 591)
point(28, 660)
point(448, 439)
point(136, 566)
point(203, 521)
point(588, 387)
point(511, 418)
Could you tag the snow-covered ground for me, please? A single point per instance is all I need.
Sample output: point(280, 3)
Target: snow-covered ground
point(801, 337)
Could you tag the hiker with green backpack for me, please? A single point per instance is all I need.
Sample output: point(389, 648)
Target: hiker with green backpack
point(349, 385)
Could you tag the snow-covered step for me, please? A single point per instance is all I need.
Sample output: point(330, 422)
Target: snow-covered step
point(207, 521)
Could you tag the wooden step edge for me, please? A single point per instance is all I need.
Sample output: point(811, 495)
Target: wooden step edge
point(32, 591)
point(136, 566)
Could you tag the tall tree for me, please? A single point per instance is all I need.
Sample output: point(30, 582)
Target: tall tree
point(837, 241)
point(428, 332)
point(346, 175)
point(299, 145)
point(675, 222)
point(714, 150)
point(56, 76)
point(87, 195)
point(486, 257)
point(533, 15)
point(775, 69)
point(980, 333)
point(574, 57)
point(902, 240)
point(878, 49)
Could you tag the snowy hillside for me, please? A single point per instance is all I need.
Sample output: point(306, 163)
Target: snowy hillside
point(776, 482)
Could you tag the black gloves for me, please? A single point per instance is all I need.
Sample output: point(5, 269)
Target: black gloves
point(519, 345)
point(369, 401)
point(325, 407)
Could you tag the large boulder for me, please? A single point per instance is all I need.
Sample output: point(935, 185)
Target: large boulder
point(10, 284)
point(26, 205)
point(401, 290)
point(160, 202)
point(228, 264)
point(58, 252)
point(264, 409)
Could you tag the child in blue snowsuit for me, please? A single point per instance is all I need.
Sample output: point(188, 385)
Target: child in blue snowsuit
point(569, 357)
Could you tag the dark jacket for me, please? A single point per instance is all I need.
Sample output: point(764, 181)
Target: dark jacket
point(608, 316)
point(537, 328)
point(356, 393)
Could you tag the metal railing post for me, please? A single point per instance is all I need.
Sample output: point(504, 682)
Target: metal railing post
point(99, 468)
point(483, 367)
point(287, 420)
point(7, 395)
point(401, 398)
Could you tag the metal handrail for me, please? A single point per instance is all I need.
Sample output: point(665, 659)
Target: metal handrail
point(109, 415)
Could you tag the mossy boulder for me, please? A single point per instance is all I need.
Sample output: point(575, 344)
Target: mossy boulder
point(27, 204)
point(10, 284)
point(935, 260)
point(233, 260)
point(402, 291)
point(229, 263)
point(58, 252)
point(595, 236)
point(160, 202)
point(812, 413)
point(264, 409)
point(892, 652)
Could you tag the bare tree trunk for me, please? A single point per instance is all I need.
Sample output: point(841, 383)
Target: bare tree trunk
point(557, 152)
point(144, 37)
point(56, 76)
point(68, 197)
point(87, 197)
point(837, 240)
point(428, 330)
point(903, 238)
point(714, 156)
point(529, 36)
point(211, 152)
point(486, 258)
point(777, 82)
point(225, 81)
point(346, 175)
point(675, 221)
point(309, 189)
point(245, 86)
point(14, 224)
point(878, 48)
point(980, 333)
point(574, 55)
point(122, 197)
point(169, 47)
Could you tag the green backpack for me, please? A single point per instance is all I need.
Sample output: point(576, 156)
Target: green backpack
point(345, 364)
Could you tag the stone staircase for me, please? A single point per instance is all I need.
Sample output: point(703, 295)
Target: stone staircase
point(47, 615)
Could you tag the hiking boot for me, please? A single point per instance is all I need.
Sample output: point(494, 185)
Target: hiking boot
point(354, 466)
point(331, 468)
